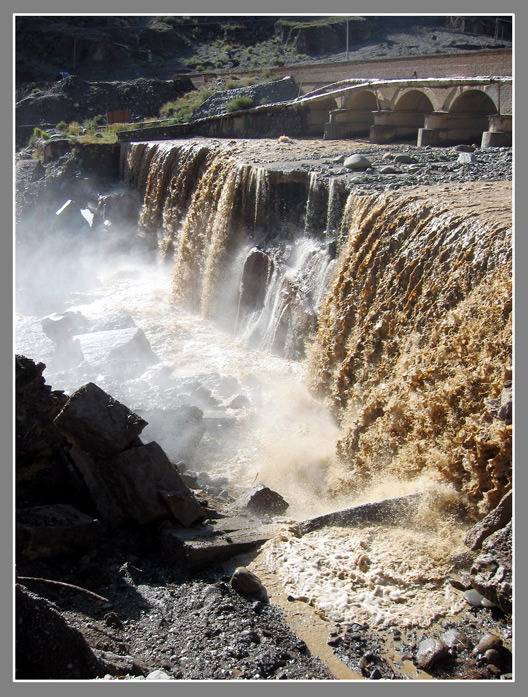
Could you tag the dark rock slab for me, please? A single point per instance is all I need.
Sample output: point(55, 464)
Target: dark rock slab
point(202, 547)
point(98, 423)
point(138, 485)
point(389, 510)
point(55, 530)
point(496, 519)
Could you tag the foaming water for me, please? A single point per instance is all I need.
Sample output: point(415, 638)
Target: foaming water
point(379, 575)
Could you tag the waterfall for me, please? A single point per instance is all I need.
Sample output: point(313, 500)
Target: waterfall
point(208, 210)
point(408, 329)
point(414, 336)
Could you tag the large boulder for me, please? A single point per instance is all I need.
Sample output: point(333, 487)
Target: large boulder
point(138, 485)
point(98, 423)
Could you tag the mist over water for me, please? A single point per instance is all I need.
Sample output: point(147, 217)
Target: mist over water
point(281, 436)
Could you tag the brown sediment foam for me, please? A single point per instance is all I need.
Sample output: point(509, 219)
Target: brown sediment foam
point(415, 334)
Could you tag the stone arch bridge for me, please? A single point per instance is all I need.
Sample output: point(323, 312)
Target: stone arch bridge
point(432, 111)
point(435, 111)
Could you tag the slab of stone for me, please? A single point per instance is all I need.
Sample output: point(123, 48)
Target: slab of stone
point(98, 423)
point(389, 510)
point(202, 547)
point(495, 520)
point(55, 530)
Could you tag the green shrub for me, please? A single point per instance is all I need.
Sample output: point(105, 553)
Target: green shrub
point(239, 103)
point(62, 126)
point(38, 134)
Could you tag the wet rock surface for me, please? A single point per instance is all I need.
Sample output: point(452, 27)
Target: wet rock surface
point(452, 649)
point(395, 166)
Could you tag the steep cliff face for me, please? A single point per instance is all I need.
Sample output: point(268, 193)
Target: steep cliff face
point(323, 36)
point(404, 299)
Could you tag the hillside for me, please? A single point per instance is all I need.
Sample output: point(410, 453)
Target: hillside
point(127, 47)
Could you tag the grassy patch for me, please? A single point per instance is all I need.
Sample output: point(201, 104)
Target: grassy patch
point(239, 103)
point(180, 110)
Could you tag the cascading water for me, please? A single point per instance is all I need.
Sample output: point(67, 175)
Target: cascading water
point(402, 303)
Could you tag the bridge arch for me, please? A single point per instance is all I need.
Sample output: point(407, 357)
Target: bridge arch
point(360, 100)
point(414, 100)
point(472, 101)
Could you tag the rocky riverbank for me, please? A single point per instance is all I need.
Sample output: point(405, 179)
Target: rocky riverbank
point(132, 590)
